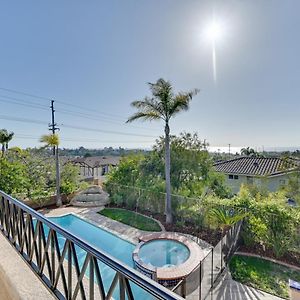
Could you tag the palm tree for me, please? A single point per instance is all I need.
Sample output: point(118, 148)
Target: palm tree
point(52, 140)
point(163, 105)
point(250, 152)
point(225, 217)
point(5, 138)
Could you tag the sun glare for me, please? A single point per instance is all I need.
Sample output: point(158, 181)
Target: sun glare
point(214, 31)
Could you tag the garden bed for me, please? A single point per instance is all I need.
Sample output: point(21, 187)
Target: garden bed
point(209, 235)
point(263, 274)
point(131, 218)
point(291, 258)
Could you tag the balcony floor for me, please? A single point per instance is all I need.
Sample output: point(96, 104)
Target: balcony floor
point(17, 280)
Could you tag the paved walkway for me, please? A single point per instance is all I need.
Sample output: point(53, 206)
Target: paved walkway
point(91, 214)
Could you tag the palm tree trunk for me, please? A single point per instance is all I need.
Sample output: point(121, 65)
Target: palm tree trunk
point(58, 197)
point(169, 218)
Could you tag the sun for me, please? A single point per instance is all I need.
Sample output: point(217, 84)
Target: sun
point(214, 31)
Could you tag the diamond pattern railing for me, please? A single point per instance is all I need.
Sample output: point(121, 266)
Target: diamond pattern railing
point(53, 255)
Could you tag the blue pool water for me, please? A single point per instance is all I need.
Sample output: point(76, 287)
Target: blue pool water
point(97, 237)
point(164, 253)
point(104, 241)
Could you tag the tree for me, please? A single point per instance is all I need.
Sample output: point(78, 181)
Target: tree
point(292, 189)
point(5, 138)
point(163, 105)
point(12, 176)
point(250, 152)
point(52, 140)
point(192, 169)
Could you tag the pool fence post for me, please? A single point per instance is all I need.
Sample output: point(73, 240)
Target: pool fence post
point(183, 288)
point(200, 280)
point(212, 267)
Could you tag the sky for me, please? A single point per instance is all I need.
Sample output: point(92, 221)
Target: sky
point(95, 57)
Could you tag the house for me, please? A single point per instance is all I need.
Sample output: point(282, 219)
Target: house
point(95, 167)
point(270, 173)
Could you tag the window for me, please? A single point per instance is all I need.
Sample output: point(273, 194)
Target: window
point(236, 177)
point(233, 176)
point(230, 176)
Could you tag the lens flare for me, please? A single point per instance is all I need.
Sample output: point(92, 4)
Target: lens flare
point(214, 32)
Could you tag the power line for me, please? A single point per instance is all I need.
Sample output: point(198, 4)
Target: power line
point(58, 101)
point(22, 104)
point(67, 112)
point(68, 139)
point(106, 131)
point(98, 118)
point(23, 101)
point(25, 94)
point(24, 120)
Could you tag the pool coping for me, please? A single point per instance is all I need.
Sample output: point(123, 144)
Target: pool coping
point(171, 273)
point(124, 231)
point(93, 223)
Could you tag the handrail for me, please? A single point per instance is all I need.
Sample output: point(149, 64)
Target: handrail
point(132, 275)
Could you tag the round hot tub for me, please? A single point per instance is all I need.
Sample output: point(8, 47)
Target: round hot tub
point(167, 257)
point(163, 253)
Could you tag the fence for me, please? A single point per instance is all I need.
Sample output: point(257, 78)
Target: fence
point(189, 211)
point(52, 253)
point(149, 199)
point(211, 267)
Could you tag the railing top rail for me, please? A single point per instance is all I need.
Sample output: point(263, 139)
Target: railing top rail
point(141, 280)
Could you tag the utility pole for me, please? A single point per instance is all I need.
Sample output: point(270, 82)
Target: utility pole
point(53, 126)
point(229, 149)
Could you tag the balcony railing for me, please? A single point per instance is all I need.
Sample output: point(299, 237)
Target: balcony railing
point(51, 253)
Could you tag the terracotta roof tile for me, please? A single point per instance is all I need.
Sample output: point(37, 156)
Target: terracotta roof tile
point(257, 166)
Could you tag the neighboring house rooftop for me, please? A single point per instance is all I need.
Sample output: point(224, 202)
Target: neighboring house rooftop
point(97, 161)
point(256, 166)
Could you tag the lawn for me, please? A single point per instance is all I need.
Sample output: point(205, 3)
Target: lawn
point(262, 274)
point(131, 218)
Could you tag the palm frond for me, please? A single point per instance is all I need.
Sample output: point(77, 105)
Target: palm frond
point(181, 101)
point(149, 106)
point(163, 104)
point(226, 217)
point(160, 87)
point(5, 136)
point(162, 91)
point(50, 139)
point(151, 115)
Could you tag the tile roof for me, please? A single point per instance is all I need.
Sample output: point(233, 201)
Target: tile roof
point(256, 166)
point(97, 161)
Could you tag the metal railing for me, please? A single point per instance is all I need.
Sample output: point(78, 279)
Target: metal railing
point(52, 253)
point(200, 282)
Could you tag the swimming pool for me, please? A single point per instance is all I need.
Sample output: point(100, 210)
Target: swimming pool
point(104, 241)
